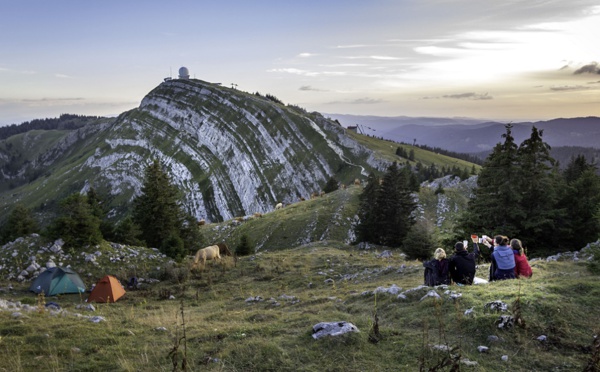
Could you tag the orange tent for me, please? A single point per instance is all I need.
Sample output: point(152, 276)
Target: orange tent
point(108, 289)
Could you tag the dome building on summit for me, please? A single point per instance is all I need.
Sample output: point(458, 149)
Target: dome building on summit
point(184, 73)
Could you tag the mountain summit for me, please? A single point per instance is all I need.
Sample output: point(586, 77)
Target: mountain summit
point(231, 153)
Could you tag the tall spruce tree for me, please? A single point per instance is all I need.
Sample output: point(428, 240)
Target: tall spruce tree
point(366, 229)
point(580, 202)
point(394, 208)
point(495, 207)
point(157, 210)
point(536, 182)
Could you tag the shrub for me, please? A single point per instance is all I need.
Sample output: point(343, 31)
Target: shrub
point(244, 248)
point(173, 247)
point(419, 242)
point(332, 185)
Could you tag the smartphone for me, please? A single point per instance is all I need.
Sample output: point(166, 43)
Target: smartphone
point(465, 244)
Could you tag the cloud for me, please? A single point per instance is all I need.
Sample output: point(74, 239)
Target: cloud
point(351, 46)
point(568, 88)
point(375, 57)
point(310, 88)
point(51, 100)
point(591, 68)
point(296, 71)
point(466, 96)
point(62, 76)
point(306, 55)
point(359, 101)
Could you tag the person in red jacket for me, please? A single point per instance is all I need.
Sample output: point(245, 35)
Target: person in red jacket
point(522, 268)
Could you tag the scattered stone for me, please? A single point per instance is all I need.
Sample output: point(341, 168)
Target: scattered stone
point(441, 347)
point(88, 307)
point(504, 358)
point(97, 319)
point(469, 363)
point(483, 349)
point(75, 349)
point(470, 312)
point(160, 329)
point(431, 293)
point(291, 299)
point(496, 306)
point(505, 322)
point(329, 281)
point(493, 338)
point(455, 296)
point(394, 289)
point(385, 254)
point(542, 338)
point(332, 329)
point(254, 299)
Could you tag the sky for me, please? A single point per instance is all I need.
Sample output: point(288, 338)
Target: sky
point(507, 60)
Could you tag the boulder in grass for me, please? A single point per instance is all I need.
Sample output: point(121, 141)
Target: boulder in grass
point(332, 329)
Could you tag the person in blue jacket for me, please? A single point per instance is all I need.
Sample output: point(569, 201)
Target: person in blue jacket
point(503, 258)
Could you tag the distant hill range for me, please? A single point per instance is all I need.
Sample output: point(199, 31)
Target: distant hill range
point(473, 136)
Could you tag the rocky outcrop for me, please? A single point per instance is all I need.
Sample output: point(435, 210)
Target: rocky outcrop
point(229, 152)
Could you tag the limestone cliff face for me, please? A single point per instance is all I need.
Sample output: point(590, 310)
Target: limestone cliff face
point(229, 152)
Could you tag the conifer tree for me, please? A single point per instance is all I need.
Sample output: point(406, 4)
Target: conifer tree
point(76, 225)
point(331, 185)
point(535, 182)
point(580, 201)
point(495, 205)
point(157, 210)
point(20, 223)
point(394, 207)
point(244, 248)
point(97, 208)
point(127, 232)
point(366, 230)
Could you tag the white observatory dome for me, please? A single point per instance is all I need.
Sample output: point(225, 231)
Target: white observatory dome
point(184, 73)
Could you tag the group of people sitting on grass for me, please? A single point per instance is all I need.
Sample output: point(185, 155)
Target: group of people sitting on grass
point(508, 261)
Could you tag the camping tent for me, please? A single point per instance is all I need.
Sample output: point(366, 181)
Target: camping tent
point(108, 289)
point(57, 280)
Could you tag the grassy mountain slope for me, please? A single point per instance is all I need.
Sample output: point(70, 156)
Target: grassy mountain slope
point(258, 314)
point(387, 150)
point(326, 218)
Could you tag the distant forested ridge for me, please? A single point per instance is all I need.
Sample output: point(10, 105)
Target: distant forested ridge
point(64, 122)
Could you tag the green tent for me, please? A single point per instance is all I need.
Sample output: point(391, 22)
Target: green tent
point(57, 280)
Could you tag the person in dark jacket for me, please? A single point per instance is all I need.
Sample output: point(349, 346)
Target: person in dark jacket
point(462, 264)
point(436, 270)
point(504, 259)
